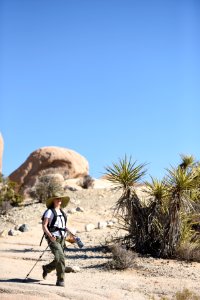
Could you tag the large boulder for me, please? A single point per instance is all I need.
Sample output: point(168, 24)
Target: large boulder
point(50, 160)
point(1, 152)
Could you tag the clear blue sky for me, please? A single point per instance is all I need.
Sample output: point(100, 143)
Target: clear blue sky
point(102, 77)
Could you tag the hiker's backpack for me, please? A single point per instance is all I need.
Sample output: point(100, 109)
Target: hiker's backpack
point(51, 226)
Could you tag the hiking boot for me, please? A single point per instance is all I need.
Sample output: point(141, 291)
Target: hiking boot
point(44, 274)
point(60, 283)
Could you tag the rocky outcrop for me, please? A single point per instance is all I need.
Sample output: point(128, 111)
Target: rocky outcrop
point(1, 152)
point(50, 160)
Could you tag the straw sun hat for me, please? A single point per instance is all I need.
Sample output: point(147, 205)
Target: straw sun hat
point(65, 200)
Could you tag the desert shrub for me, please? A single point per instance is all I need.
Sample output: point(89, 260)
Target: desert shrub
point(121, 258)
point(189, 251)
point(156, 226)
point(182, 295)
point(86, 182)
point(9, 195)
point(186, 295)
point(46, 187)
point(189, 246)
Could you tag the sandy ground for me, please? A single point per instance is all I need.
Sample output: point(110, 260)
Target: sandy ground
point(94, 282)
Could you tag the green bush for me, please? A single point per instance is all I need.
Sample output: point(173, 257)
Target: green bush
point(45, 188)
point(9, 195)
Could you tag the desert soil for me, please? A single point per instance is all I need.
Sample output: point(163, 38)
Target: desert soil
point(150, 277)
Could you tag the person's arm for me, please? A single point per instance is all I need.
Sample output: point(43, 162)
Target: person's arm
point(45, 229)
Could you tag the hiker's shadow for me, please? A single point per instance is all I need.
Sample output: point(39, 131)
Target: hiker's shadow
point(25, 250)
point(19, 280)
point(28, 280)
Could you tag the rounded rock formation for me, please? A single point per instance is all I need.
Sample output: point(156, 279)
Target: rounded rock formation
point(1, 152)
point(50, 160)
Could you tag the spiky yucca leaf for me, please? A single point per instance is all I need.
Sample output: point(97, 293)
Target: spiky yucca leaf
point(187, 231)
point(156, 189)
point(179, 180)
point(187, 161)
point(125, 173)
point(196, 174)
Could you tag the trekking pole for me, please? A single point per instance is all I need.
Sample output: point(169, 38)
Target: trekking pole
point(36, 263)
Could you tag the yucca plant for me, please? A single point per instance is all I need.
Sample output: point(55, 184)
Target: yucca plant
point(158, 195)
point(195, 193)
point(125, 173)
point(156, 226)
point(180, 182)
point(129, 210)
point(156, 189)
point(138, 218)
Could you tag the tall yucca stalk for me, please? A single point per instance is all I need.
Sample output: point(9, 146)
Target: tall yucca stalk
point(157, 214)
point(126, 174)
point(180, 182)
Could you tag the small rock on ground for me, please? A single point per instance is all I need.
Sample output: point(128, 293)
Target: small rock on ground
point(24, 228)
point(17, 226)
point(13, 232)
point(89, 227)
point(110, 224)
point(73, 269)
point(102, 224)
point(79, 208)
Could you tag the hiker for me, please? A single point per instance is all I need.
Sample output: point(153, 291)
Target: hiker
point(54, 227)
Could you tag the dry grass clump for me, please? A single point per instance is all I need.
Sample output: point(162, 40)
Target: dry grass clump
point(189, 246)
point(122, 258)
point(183, 295)
point(186, 295)
point(189, 251)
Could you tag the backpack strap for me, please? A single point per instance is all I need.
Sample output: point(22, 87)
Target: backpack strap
point(55, 215)
point(64, 215)
point(54, 218)
point(51, 227)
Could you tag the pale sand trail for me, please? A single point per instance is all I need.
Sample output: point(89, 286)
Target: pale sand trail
point(18, 254)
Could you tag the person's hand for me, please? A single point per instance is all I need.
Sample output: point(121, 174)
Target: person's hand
point(52, 238)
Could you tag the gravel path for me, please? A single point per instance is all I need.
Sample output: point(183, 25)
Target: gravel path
point(94, 282)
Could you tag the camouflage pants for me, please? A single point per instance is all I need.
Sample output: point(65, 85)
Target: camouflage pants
point(58, 264)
